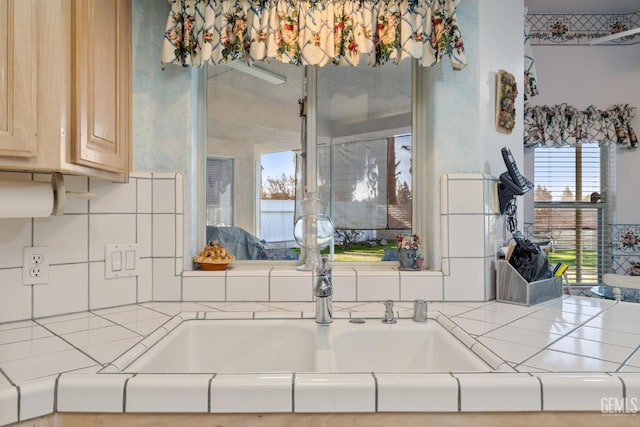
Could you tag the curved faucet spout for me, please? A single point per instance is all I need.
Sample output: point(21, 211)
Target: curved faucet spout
point(323, 291)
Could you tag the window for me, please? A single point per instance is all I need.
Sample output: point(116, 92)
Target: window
point(219, 191)
point(370, 185)
point(363, 140)
point(278, 197)
point(570, 208)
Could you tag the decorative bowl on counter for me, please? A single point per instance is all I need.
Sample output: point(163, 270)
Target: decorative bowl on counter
point(214, 257)
point(212, 267)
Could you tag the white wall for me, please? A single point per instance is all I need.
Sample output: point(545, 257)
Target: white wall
point(461, 109)
point(602, 76)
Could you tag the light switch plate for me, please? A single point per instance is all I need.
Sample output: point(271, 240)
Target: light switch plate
point(121, 260)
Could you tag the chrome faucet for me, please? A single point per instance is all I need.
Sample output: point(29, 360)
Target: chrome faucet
point(388, 313)
point(323, 291)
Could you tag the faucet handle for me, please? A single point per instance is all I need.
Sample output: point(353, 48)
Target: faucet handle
point(420, 310)
point(388, 314)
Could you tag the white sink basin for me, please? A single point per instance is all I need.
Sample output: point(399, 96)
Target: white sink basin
point(223, 346)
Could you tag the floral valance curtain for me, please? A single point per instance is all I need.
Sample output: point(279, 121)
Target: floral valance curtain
point(563, 125)
point(312, 32)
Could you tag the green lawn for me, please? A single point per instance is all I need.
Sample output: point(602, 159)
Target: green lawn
point(363, 253)
point(568, 256)
point(357, 252)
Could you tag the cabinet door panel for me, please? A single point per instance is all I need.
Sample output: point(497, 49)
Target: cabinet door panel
point(102, 79)
point(17, 79)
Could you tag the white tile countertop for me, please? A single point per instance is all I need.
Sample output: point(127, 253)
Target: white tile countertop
point(567, 354)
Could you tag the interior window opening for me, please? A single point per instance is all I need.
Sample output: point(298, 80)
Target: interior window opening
point(278, 198)
point(364, 156)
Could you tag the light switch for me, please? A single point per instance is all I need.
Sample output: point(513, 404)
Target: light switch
point(121, 260)
point(130, 260)
point(116, 260)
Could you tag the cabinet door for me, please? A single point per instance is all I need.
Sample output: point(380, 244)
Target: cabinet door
point(17, 79)
point(101, 78)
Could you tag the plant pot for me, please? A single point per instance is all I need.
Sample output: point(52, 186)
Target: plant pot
point(407, 259)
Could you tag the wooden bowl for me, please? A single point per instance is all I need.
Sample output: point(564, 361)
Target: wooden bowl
point(212, 267)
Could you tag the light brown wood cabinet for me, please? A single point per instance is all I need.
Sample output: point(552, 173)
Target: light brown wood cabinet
point(65, 87)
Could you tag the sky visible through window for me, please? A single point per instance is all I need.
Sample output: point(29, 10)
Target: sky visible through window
point(555, 171)
point(283, 162)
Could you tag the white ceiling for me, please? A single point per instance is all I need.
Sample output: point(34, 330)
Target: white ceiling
point(582, 6)
point(350, 101)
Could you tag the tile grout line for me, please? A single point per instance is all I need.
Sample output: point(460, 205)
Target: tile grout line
point(68, 342)
point(631, 355)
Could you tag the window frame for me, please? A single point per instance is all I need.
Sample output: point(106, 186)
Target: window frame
point(421, 180)
point(602, 207)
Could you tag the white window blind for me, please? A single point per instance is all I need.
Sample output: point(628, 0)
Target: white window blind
point(368, 184)
point(219, 197)
point(569, 206)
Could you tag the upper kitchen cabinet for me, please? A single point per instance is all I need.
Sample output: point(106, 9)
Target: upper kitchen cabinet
point(65, 99)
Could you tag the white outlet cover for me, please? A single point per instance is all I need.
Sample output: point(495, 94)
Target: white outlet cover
point(121, 260)
point(35, 265)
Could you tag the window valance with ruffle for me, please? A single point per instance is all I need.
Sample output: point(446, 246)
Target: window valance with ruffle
point(564, 125)
point(312, 32)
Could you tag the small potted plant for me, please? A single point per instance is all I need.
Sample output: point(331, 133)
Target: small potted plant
point(408, 251)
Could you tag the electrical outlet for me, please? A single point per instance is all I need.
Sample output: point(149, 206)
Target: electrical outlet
point(35, 266)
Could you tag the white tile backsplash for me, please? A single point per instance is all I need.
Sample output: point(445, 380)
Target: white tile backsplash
point(472, 202)
point(465, 282)
point(143, 234)
point(76, 184)
point(144, 199)
point(110, 198)
point(15, 303)
point(179, 193)
point(66, 292)
point(376, 284)
point(344, 284)
point(110, 229)
point(148, 211)
point(247, 287)
point(208, 288)
point(145, 280)
point(466, 235)
point(67, 237)
point(120, 213)
point(166, 285)
point(105, 292)
point(164, 235)
point(164, 196)
point(290, 285)
point(15, 234)
point(424, 284)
